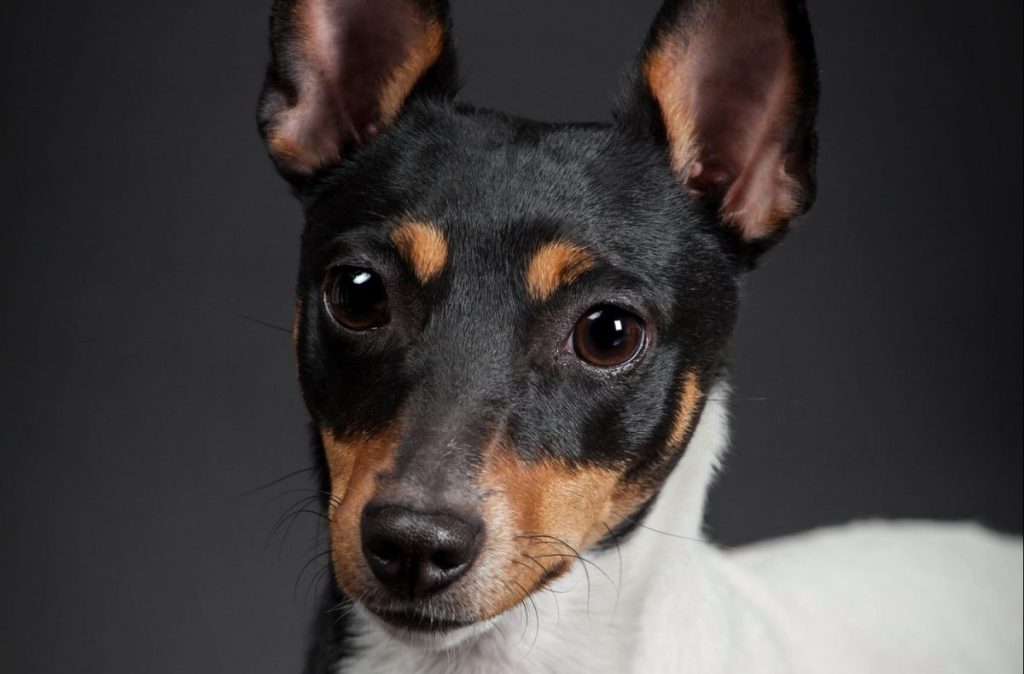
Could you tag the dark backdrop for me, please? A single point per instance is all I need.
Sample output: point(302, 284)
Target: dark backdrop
point(877, 364)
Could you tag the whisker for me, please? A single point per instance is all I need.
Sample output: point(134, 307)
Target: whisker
point(516, 561)
point(618, 587)
point(323, 573)
point(522, 604)
point(575, 554)
point(303, 510)
point(260, 321)
point(692, 539)
point(558, 608)
point(543, 569)
point(301, 490)
point(273, 482)
point(583, 565)
point(344, 608)
point(301, 503)
point(295, 588)
point(536, 629)
point(582, 559)
point(536, 613)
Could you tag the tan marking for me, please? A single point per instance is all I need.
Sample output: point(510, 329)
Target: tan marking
point(539, 512)
point(664, 68)
point(556, 264)
point(423, 53)
point(423, 247)
point(686, 410)
point(291, 153)
point(296, 321)
point(354, 465)
point(539, 516)
point(296, 324)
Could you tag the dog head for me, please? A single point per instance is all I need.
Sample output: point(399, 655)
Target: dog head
point(506, 329)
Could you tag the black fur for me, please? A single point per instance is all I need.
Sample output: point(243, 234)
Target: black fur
point(470, 352)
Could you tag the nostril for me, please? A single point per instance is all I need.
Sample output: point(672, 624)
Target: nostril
point(447, 560)
point(383, 549)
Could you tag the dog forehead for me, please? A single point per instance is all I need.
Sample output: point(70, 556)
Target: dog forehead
point(489, 163)
point(518, 185)
point(498, 189)
point(513, 172)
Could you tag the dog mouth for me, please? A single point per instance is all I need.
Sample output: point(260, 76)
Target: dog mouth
point(417, 621)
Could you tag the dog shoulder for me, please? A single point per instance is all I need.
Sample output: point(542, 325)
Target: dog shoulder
point(930, 587)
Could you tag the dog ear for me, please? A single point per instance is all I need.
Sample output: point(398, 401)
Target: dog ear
point(731, 87)
point(341, 70)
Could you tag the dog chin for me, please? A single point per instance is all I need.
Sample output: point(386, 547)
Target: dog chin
point(434, 639)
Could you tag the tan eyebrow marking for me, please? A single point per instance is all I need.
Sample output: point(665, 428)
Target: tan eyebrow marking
point(554, 265)
point(546, 510)
point(686, 409)
point(423, 247)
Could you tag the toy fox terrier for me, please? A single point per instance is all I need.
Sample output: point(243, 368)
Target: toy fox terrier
point(510, 338)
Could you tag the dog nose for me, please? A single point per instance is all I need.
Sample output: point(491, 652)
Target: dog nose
point(416, 553)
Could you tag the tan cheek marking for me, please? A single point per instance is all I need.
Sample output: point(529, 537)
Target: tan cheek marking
point(537, 513)
point(556, 264)
point(354, 465)
point(423, 247)
point(686, 410)
point(424, 51)
point(547, 497)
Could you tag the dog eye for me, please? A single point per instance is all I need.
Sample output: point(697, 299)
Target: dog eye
point(606, 336)
point(356, 298)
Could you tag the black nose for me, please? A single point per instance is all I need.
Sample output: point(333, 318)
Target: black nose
point(416, 553)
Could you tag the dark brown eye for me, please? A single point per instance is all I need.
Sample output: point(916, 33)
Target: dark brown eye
point(607, 336)
point(356, 297)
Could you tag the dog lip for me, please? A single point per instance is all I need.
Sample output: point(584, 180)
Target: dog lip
point(416, 621)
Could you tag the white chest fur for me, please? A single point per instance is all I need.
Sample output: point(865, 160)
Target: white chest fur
point(873, 598)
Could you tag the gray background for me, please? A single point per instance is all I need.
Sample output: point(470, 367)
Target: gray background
point(878, 362)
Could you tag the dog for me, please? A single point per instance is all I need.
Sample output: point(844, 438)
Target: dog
point(510, 339)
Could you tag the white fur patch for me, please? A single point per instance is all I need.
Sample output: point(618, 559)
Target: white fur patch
point(876, 598)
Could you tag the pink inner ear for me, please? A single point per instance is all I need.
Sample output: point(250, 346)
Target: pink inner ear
point(352, 63)
point(307, 134)
point(725, 81)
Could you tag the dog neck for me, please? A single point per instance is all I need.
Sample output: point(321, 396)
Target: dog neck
point(592, 615)
point(680, 504)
